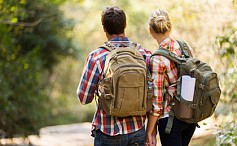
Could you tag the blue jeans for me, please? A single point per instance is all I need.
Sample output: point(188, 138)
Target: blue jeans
point(180, 135)
point(132, 139)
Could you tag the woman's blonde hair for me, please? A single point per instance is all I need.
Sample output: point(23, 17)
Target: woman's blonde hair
point(160, 22)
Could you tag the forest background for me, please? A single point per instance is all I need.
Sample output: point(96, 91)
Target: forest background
point(44, 44)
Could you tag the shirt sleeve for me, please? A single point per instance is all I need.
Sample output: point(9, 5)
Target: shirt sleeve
point(158, 73)
point(89, 79)
point(146, 55)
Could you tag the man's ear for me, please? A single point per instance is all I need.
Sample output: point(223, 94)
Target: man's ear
point(125, 25)
point(104, 29)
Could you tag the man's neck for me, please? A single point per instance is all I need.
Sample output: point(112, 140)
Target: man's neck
point(111, 36)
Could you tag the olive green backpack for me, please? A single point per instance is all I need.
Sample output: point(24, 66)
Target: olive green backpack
point(206, 91)
point(124, 88)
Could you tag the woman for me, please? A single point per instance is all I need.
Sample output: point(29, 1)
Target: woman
point(165, 76)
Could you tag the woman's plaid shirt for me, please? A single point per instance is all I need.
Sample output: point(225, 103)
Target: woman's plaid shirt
point(91, 74)
point(165, 76)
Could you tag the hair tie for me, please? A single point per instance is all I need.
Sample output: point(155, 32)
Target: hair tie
point(161, 18)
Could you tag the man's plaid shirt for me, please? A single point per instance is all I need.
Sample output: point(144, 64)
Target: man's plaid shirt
point(91, 75)
point(165, 76)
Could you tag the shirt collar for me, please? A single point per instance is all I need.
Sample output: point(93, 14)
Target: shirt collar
point(165, 42)
point(120, 41)
point(119, 38)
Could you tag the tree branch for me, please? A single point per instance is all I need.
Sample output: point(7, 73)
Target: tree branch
point(24, 24)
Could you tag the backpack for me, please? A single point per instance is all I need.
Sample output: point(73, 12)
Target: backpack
point(125, 88)
point(206, 90)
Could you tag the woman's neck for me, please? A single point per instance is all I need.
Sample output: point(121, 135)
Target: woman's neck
point(161, 37)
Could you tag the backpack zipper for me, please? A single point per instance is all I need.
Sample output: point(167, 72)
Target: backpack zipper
point(130, 66)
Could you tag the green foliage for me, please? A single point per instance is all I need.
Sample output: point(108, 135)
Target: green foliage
point(228, 48)
point(34, 35)
point(227, 134)
point(227, 45)
point(228, 42)
point(65, 107)
point(20, 92)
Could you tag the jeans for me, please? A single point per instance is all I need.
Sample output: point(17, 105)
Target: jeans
point(132, 139)
point(180, 135)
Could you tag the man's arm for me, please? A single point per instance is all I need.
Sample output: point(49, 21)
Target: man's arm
point(89, 80)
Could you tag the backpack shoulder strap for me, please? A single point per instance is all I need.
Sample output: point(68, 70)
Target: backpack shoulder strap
point(135, 45)
point(170, 122)
point(184, 49)
point(168, 54)
point(108, 46)
point(136, 48)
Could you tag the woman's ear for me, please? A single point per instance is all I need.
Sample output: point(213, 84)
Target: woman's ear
point(152, 32)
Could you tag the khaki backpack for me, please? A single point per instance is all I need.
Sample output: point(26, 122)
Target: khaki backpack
point(123, 90)
point(206, 91)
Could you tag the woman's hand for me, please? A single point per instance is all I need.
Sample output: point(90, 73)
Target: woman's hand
point(151, 138)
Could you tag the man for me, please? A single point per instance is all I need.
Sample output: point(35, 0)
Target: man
point(107, 129)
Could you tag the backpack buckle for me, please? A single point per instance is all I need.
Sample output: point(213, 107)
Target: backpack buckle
point(201, 86)
point(172, 54)
point(193, 106)
point(108, 96)
point(192, 70)
point(108, 44)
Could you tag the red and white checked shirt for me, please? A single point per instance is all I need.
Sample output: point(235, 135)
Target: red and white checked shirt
point(165, 76)
point(90, 77)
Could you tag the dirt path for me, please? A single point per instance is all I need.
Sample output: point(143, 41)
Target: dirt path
point(79, 135)
point(64, 135)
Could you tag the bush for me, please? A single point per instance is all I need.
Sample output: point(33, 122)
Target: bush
point(33, 36)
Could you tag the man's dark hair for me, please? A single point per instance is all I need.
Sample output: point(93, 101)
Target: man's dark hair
point(114, 20)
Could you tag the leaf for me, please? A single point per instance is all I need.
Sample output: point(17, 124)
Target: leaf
point(14, 20)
